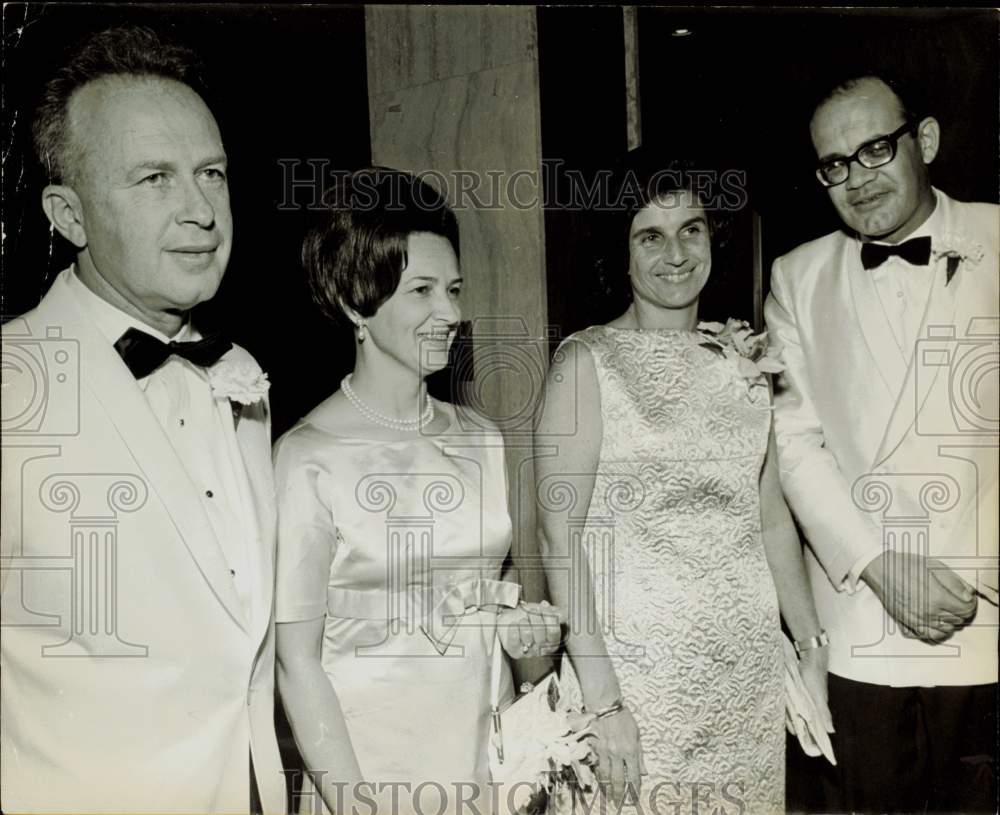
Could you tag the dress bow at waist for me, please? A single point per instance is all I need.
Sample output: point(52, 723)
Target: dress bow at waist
point(439, 609)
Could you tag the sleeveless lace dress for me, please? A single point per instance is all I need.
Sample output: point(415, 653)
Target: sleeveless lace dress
point(683, 590)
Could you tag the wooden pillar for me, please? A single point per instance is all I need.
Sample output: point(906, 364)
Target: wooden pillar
point(453, 94)
point(633, 101)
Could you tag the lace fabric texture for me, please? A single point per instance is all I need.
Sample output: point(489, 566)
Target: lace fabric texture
point(682, 587)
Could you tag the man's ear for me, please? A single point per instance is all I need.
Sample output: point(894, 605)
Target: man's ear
point(65, 212)
point(929, 138)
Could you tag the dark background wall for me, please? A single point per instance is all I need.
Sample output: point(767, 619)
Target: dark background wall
point(736, 87)
point(581, 75)
point(288, 83)
point(290, 86)
point(731, 95)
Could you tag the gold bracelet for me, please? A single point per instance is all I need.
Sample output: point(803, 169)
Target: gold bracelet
point(616, 706)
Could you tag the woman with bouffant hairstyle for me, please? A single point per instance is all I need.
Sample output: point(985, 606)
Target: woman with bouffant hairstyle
point(393, 523)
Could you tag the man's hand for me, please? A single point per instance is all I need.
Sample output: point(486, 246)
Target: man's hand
point(923, 595)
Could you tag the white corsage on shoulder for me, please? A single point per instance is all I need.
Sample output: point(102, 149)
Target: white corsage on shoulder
point(752, 353)
point(238, 380)
point(957, 248)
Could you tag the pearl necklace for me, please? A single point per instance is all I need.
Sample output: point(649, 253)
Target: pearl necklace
point(381, 419)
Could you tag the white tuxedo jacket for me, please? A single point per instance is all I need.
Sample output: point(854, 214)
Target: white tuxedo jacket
point(877, 450)
point(134, 679)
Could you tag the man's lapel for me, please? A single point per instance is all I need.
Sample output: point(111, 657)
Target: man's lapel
point(934, 346)
point(878, 335)
point(116, 390)
point(253, 437)
point(936, 340)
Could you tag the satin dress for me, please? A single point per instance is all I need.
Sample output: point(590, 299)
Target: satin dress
point(399, 545)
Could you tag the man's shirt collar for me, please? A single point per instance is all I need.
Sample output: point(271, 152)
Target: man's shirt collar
point(111, 321)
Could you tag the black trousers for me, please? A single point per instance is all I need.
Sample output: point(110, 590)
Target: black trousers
point(902, 750)
point(255, 806)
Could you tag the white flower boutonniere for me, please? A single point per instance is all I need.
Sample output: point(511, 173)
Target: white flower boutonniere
point(240, 381)
point(752, 353)
point(958, 249)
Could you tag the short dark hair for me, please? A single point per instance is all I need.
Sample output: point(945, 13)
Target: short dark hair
point(645, 175)
point(355, 255)
point(121, 51)
point(648, 178)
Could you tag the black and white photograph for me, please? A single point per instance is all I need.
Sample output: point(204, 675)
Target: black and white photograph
point(499, 409)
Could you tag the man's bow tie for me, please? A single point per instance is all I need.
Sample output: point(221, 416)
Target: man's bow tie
point(143, 353)
point(916, 251)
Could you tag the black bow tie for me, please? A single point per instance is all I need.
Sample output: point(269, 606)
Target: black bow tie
point(143, 353)
point(916, 251)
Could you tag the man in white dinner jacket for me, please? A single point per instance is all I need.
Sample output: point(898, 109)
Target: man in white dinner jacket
point(138, 507)
point(886, 424)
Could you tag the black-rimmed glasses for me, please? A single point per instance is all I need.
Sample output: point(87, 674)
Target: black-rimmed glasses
point(870, 155)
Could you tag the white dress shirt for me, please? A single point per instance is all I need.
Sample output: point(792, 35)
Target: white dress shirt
point(180, 396)
point(904, 289)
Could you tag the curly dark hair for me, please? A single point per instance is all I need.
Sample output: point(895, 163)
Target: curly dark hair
point(643, 176)
point(355, 255)
point(134, 51)
point(644, 179)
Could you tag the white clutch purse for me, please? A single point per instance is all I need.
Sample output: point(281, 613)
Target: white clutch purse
point(541, 747)
point(514, 721)
point(801, 716)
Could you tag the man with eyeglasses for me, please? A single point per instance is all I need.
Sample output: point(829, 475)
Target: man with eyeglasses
point(886, 425)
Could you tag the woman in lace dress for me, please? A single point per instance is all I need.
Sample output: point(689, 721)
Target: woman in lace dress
point(393, 527)
point(667, 538)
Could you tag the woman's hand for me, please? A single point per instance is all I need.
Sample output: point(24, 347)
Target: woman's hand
point(530, 630)
point(619, 755)
point(813, 670)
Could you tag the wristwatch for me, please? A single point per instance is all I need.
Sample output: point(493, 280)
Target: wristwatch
point(820, 641)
